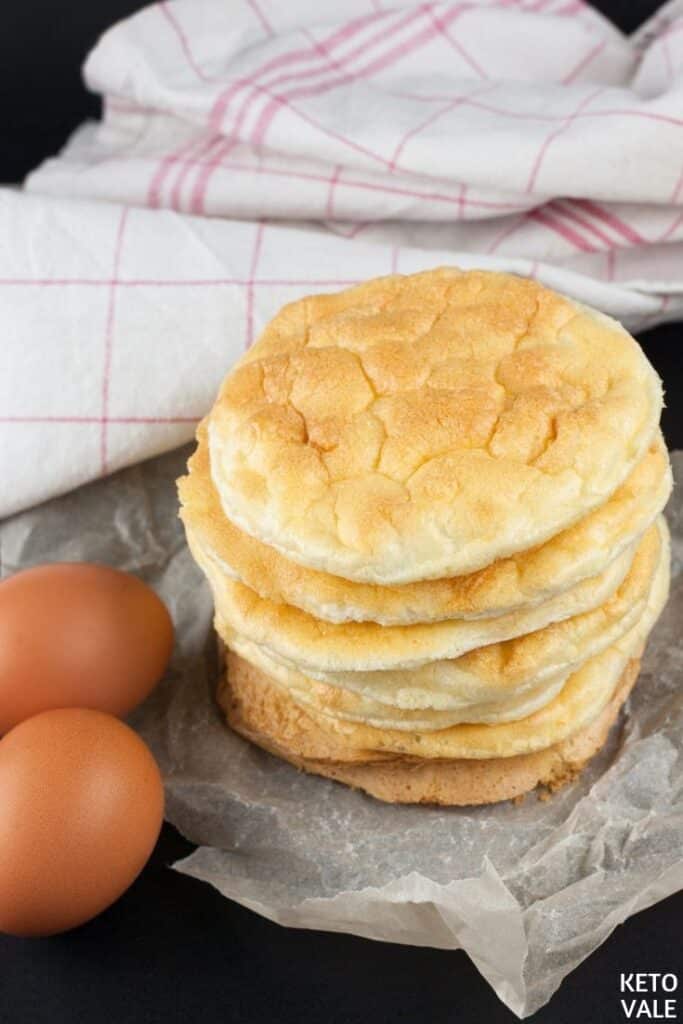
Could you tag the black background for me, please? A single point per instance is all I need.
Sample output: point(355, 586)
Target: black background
point(171, 950)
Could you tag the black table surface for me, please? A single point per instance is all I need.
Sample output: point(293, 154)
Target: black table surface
point(172, 950)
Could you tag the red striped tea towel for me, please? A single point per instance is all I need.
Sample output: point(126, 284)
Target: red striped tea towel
point(301, 147)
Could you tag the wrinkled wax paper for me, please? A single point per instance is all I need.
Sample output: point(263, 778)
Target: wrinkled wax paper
point(528, 891)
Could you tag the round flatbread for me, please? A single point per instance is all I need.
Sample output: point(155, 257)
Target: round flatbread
point(519, 581)
point(454, 783)
point(506, 703)
point(313, 735)
point(314, 646)
point(426, 426)
point(513, 675)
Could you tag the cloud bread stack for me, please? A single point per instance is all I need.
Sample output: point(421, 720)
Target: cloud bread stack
point(429, 509)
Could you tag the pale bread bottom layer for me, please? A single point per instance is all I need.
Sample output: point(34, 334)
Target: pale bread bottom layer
point(263, 713)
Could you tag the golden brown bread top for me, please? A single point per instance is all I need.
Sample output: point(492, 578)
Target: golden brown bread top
point(424, 426)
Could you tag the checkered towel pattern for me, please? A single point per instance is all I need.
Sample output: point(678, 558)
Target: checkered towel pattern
point(253, 151)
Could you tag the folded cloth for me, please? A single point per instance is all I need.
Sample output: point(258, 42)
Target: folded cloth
point(525, 135)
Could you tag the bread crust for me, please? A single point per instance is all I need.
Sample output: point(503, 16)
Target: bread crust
point(321, 647)
point(520, 581)
point(459, 782)
point(425, 426)
point(497, 674)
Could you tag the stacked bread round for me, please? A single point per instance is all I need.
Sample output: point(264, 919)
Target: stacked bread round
point(429, 508)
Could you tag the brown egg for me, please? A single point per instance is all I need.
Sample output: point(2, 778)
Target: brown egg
point(79, 635)
point(81, 805)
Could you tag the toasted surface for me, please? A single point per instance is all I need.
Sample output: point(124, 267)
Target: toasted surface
point(498, 673)
point(315, 646)
point(425, 426)
point(356, 706)
point(456, 782)
point(524, 579)
point(313, 735)
point(506, 671)
point(389, 709)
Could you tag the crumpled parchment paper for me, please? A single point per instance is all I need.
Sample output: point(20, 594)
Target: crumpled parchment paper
point(528, 891)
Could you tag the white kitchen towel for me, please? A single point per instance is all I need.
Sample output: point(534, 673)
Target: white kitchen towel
point(528, 135)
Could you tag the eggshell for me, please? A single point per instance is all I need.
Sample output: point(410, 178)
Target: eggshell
point(81, 805)
point(79, 635)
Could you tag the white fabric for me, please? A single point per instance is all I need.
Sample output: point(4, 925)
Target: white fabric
point(397, 135)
